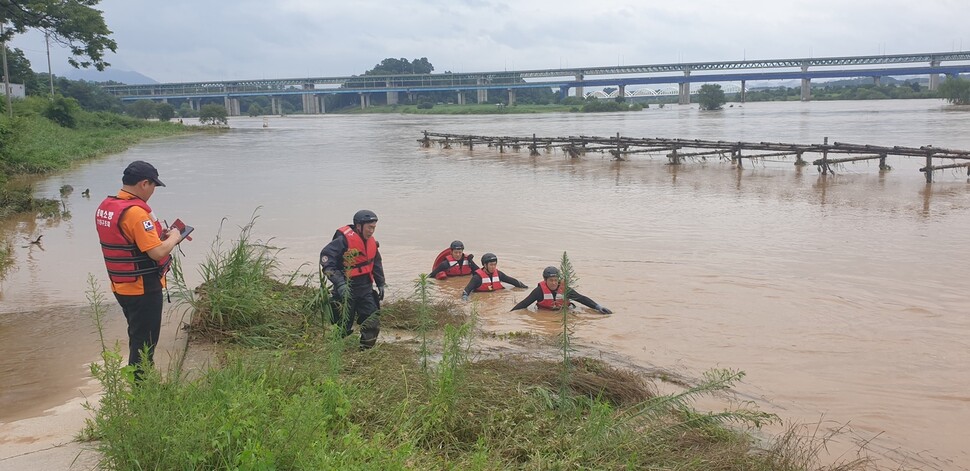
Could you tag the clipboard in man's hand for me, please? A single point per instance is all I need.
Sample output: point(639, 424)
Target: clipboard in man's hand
point(183, 228)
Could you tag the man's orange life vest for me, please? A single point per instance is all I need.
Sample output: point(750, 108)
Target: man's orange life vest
point(124, 261)
point(365, 252)
point(454, 269)
point(550, 300)
point(489, 282)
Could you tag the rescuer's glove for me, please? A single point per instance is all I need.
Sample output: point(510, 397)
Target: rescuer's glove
point(341, 289)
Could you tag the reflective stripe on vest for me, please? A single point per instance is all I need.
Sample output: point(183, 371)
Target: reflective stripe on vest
point(455, 270)
point(363, 253)
point(489, 282)
point(123, 260)
point(550, 300)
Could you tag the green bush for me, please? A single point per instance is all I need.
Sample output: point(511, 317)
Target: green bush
point(164, 111)
point(63, 111)
point(955, 90)
point(213, 114)
point(425, 105)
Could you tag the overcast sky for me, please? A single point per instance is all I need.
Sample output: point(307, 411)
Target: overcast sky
point(195, 40)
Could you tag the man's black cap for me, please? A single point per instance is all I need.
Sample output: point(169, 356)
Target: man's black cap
point(143, 170)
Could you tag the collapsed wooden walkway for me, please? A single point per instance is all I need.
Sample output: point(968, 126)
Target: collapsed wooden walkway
point(679, 150)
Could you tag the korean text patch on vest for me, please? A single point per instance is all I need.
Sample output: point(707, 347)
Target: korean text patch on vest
point(149, 226)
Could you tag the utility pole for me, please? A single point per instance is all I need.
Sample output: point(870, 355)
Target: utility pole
point(50, 75)
point(6, 74)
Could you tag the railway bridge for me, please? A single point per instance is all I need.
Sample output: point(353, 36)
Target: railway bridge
point(312, 90)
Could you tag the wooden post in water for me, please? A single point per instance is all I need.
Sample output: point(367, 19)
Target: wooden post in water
point(426, 142)
point(470, 143)
point(501, 147)
point(798, 160)
point(674, 158)
point(825, 156)
point(534, 150)
point(929, 167)
point(882, 162)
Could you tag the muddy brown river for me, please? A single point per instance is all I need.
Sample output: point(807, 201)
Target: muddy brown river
point(844, 297)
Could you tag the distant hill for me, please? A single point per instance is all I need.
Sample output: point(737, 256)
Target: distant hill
point(121, 76)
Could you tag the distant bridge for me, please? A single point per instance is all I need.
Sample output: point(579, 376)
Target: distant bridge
point(313, 89)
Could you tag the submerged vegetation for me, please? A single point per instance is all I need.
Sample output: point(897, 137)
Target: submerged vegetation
point(290, 394)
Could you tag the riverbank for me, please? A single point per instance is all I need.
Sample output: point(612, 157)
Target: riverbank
point(437, 392)
point(31, 144)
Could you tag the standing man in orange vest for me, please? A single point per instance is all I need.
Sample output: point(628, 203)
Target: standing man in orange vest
point(137, 253)
point(352, 263)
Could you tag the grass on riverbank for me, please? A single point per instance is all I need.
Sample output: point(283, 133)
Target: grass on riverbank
point(291, 394)
point(33, 144)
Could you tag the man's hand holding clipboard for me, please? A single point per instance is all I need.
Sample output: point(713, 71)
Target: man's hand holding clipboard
point(184, 229)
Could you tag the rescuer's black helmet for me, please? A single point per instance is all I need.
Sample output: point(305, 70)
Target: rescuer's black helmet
point(549, 272)
point(457, 245)
point(364, 216)
point(489, 258)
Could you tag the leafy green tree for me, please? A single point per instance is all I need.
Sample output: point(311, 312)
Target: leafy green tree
point(75, 24)
point(91, 96)
point(63, 111)
point(711, 97)
point(143, 109)
point(255, 109)
point(164, 111)
point(185, 110)
point(213, 114)
point(955, 90)
point(20, 71)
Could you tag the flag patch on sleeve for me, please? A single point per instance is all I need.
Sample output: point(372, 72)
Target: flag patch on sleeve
point(148, 226)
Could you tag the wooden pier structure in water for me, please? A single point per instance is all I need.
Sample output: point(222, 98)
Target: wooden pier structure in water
point(679, 150)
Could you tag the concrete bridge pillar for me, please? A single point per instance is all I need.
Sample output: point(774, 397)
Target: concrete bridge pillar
point(934, 79)
point(364, 101)
point(461, 97)
point(309, 99)
point(621, 93)
point(683, 96)
point(391, 96)
point(743, 91)
point(877, 80)
point(410, 97)
point(563, 92)
point(232, 106)
point(322, 103)
point(482, 92)
point(579, 88)
point(511, 96)
point(274, 105)
point(309, 103)
point(806, 85)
